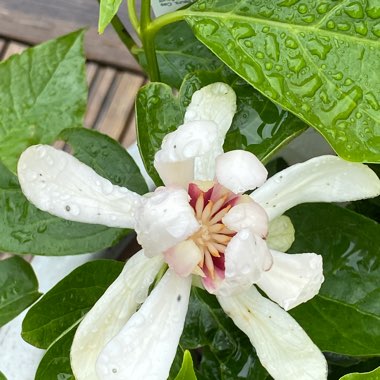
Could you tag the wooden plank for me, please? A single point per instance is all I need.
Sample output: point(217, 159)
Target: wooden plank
point(122, 104)
point(98, 93)
point(35, 21)
point(2, 46)
point(129, 135)
point(14, 48)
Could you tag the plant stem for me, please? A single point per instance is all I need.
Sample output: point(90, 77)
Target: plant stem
point(166, 19)
point(131, 4)
point(123, 34)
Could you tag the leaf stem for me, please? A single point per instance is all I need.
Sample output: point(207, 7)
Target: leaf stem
point(131, 4)
point(123, 34)
point(166, 19)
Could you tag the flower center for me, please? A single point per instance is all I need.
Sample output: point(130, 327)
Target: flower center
point(211, 202)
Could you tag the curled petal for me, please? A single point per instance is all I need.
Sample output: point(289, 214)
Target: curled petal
point(175, 160)
point(215, 102)
point(58, 183)
point(293, 278)
point(321, 179)
point(282, 346)
point(183, 258)
point(111, 313)
point(281, 233)
point(246, 258)
point(247, 215)
point(240, 171)
point(165, 219)
point(146, 346)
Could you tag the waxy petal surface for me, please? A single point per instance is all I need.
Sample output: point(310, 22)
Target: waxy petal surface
point(282, 346)
point(246, 258)
point(146, 346)
point(293, 278)
point(164, 220)
point(175, 161)
point(320, 179)
point(58, 183)
point(281, 233)
point(111, 313)
point(240, 171)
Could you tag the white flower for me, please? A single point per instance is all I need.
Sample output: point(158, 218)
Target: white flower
point(200, 224)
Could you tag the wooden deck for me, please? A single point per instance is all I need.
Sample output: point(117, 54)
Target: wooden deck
point(113, 75)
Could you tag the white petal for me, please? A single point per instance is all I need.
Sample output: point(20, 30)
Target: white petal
point(175, 160)
point(215, 102)
point(146, 346)
point(281, 233)
point(293, 278)
point(321, 179)
point(56, 182)
point(111, 313)
point(165, 219)
point(240, 171)
point(282, 346)
point(183, 258)
point(247, 215)
point(246, 258)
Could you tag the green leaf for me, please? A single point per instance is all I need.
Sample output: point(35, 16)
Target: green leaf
point(2, 377)
point(106, 156)
point(321, 62)
point(187, 370)
point(108, 9)
point(344, 317)
point(373, 375)
point(42, 91)
point(25, 229)
point(157, 113)
point(259, 126)
point(56, 362)
point(18, 288)
point(179, 53)
point(66, 303)
point(227, 353)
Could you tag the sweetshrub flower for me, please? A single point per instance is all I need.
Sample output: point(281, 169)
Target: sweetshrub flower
point(202, 225)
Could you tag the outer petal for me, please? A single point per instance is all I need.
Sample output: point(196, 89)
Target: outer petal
point(183, 258)
point(175, 161)
point(111, 312)
point(281, 344)
point(321, 179)
point(246, 258)
point(165, 219)
point(281, 233)
point(56, 182)
point(293, 279)
point(247, 215)
point(146, 346)
point(240, 171)
point(215, 102)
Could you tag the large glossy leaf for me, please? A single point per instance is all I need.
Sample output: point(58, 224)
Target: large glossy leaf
point(25, 229)
point(179, 53)
point(259, 125)
point(42, 92)
point(373, 375)
point(62, 307)
point(106, 156)
point(320, 61)
point(227, 353)
point(108, 9)
point(56, 362)
point(18, 288)
point(344, 317)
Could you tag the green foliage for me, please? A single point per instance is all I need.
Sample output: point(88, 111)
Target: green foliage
point(25, 229)
point(108, 9)
point(42, 91)
point(344, 317)
point(187, 371)
point(18, 288)
point(373, 375)
point(56, 362)
point(106, 156)
point(319, 62)
point(62, 307)
point(2, 377)
point(179, 53)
